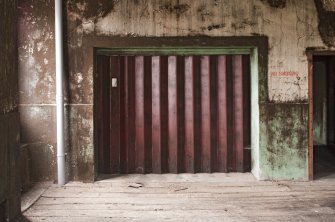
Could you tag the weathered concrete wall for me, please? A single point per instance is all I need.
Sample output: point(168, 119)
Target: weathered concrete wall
point(284, 142)
point(291, 26)
point(37, 86)
point(9, 117)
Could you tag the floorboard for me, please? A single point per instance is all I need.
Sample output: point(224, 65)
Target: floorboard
point(186, 197)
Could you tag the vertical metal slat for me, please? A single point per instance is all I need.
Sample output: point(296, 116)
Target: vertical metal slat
point(197, 113)
point(213, 90)
point(172, 101)
point(131, 114)
point(181, 113)
point(246, 114)
point(231, 157)
point(147, 114)
point(164, 117)
point(139, 120)
point(104, 142)
point(123, 113)
point(205, 118)
point(115, 115)
point(222, 115)
point(156, 116)
point(189, 116)
point(238, 111)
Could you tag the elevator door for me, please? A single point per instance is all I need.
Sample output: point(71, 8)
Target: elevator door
point(173, 114)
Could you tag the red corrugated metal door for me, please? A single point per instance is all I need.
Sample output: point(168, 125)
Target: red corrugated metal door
point(160, 114)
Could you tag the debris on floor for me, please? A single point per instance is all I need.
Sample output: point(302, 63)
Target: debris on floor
point(135, 185)
point(180, 189)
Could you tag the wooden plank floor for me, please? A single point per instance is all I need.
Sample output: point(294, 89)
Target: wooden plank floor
point(186, 197)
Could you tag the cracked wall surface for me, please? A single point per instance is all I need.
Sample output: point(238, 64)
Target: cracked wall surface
point(291, 27)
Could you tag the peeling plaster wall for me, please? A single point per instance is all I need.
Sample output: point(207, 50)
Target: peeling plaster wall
point(10, 186)
point(37, 86)
point(291, 26)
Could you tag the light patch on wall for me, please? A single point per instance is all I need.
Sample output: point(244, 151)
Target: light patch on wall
point(36, 112)
point(36, 34)
point(33, 69)
point(329, 5)
point(52, 150)
point(79, 78)
point(90, 76)
point(88, 26)
point(82, 133)
point(283, 81)
point(7, 105)
point(39, 46)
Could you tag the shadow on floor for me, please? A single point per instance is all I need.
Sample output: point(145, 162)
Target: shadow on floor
point(111, 176)
point(23, 219)
point(324, 162)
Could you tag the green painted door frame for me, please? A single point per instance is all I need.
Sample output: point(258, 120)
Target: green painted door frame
point(256, 46)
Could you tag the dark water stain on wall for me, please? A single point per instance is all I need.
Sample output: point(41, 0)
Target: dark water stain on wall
point(277, 3)
point(326, 24)
point(214, 26)
point(92, 9)
point(177, 9)
point(204, 13)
